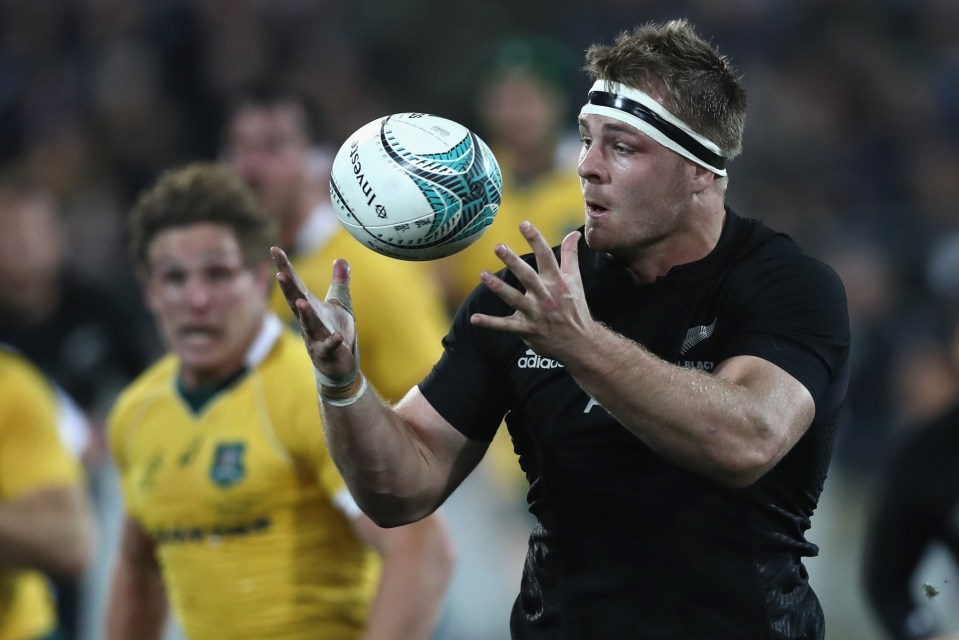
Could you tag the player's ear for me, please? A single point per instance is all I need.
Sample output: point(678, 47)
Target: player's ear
point(702, 178)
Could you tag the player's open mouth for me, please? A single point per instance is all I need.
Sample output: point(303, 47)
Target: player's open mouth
point(595, 209)
point(197, 334)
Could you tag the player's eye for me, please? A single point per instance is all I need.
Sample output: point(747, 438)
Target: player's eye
point(173, 277)
point(220, 273)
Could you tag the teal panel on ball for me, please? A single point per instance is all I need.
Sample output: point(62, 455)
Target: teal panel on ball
point(463, 185)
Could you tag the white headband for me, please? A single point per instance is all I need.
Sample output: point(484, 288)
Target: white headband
point(639, 110)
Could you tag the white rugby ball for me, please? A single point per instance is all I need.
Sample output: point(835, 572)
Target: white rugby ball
point(415, 186)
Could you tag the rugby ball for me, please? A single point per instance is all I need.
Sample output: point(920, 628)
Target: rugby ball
point(415, 186)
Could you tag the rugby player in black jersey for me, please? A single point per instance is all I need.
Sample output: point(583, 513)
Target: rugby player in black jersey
point(684, 370)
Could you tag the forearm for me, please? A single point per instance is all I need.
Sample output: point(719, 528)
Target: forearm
point(391, 473)
point(701, 421)
point(417, 565)
point(138, 605)
point(50, 530)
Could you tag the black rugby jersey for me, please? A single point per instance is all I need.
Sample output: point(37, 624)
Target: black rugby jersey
point(627, 544)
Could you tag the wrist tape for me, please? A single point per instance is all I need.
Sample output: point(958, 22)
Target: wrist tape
point(345, 390)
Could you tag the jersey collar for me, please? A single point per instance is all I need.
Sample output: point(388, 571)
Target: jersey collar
point(269, 333)
point(319, 227)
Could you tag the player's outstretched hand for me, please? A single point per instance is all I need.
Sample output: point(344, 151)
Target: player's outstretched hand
point(552, 315)
point(327, 326)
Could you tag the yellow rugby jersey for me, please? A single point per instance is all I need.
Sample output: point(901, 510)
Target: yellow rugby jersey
point(400, 316)
point(240, 498)
point(32, 456)
point(553, 203)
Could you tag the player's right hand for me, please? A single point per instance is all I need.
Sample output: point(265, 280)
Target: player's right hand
point(327, 326)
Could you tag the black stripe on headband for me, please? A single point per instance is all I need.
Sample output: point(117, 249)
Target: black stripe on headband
point(668, 129)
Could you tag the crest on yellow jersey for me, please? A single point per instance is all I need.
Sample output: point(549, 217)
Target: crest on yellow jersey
point(228, 468)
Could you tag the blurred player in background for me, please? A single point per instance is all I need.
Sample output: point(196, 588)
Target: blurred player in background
point(672, 376)
point(82, 336)
point(46, 525)
point(74, 330)
point(916, 507)
point(270, 144)
point(522, 110)
point(236, 512)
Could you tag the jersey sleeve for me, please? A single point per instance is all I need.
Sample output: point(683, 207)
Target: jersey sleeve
point(296, 418)
point(307, 444)
point(792, 312)
point(466, 386)
point(117, 427)
point(32, 454)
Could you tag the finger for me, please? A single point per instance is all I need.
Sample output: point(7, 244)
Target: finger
point(340, 285)
point(283, 264)
point(545, 260)
point(525, 273)
point(289, 291)
point(283, 267)
point(569, 255)
point(311, 323)
point(496, 323)
point(510, 295)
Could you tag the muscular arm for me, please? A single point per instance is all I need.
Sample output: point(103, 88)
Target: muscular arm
point(138, 605)
point(417, 562)
point(400, 462)
point(731, 426)
point(48, 529)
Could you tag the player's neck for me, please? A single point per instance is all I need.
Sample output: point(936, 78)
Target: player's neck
point(681, 247)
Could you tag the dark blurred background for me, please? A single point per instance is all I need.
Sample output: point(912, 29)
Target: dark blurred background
point(852, 146)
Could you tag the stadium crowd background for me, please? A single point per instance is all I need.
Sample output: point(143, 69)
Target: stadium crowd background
point(852, 146)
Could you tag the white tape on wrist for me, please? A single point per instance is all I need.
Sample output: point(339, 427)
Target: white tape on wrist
point(341, 293)
point(323, 380)
point(345, 402)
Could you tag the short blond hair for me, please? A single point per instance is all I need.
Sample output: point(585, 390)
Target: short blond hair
point(697, 84)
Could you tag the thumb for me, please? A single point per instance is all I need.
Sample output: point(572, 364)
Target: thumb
point(340, 285)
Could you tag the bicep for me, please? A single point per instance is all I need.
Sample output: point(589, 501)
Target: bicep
point(451, 455)
point(782, 403)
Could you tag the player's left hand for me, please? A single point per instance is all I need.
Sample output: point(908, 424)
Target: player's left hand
point(552, 316)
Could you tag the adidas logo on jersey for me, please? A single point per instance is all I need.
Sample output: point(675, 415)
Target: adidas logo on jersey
point(533, 360)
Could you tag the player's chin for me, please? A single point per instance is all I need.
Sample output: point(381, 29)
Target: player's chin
point(600, 237)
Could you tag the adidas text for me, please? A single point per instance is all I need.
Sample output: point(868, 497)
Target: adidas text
point(533, 360)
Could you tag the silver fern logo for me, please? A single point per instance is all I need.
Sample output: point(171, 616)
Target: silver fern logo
point(696, 335)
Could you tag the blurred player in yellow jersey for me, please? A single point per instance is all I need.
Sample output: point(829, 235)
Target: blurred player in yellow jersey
point(270, 145)
point(45, 519)
point(522, 110)
point(236, 514)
